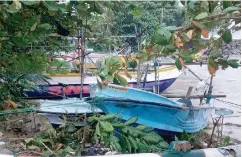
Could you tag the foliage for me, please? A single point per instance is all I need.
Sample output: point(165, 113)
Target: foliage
point(146, 15)
point(185, 137)
point(184, 42)
point(226, 140)
point(123, 137)
point(109, 71)
point(62, 141)
point(32, 34)
point(172, 40)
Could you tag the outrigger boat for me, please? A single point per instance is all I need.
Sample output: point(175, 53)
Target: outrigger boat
point(151, 109)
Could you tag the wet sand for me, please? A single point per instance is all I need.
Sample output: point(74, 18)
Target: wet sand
point(227, 82)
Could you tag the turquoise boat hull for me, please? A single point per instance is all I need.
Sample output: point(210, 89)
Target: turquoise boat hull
point(151, 109)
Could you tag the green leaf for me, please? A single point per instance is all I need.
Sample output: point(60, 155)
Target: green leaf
point(162, 37)
point(107, 126)
point(71, 127)
point(132, 64)
point(99, 84)
point(98, 8)
point(201, 16)
point(133, 131)
point(2, 34)
point(226, 4)
point(170, 49)
point(19, 41)
point(122, 80)
point(33, 147)
point(152, 138)
point(128, 145)
point(131, 120)
point(133, 142)
point(45, 26)
point(211, 62)
point(187, 58)
point(118, 125)
point(233, 63)
point(200, 44)
point(107, 117)
point(178, 64)
point(51, 5)
point(231, 9)
point(104, 72)
point(227, 36)
point(227, 140)
point(116, 81)
point(144, 128)
point(97, 130)
point(171, 28)
point(33, 27)
point(115, 144)
point(30, 2)
point(137, 11)
point(164, 145)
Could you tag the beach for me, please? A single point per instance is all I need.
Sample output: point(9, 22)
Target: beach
point(225, 82)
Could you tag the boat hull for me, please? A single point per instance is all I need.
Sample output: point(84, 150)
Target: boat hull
point(151, 109)
point(55, 91)
point(171, 119)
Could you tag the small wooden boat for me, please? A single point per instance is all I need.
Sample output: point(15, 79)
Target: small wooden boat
point(151, 109)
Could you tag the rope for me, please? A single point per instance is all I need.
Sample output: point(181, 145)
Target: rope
point(227, 102)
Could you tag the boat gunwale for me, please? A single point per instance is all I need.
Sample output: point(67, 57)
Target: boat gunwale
point(151, 103)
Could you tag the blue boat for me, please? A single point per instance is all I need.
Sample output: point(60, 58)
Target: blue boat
point(151, 109)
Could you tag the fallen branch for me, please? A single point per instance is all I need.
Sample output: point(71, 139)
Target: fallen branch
point(48, 148)
point(33, 152)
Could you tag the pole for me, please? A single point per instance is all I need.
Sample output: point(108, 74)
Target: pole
point(79, 56)
point(138, 66)
point(155, 75)
point(83, 58)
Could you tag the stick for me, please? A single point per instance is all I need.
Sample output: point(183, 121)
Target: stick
point(84, 132)
point(48, 148)
point(34, 152)
point(215, 123)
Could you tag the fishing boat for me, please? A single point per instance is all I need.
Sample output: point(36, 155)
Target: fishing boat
point(69, 84)
point(71, 108)
point(151, 109)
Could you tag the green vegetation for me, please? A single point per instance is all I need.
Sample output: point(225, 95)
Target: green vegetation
point(106, 129)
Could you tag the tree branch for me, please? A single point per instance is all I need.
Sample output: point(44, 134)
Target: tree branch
point(218, 17)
